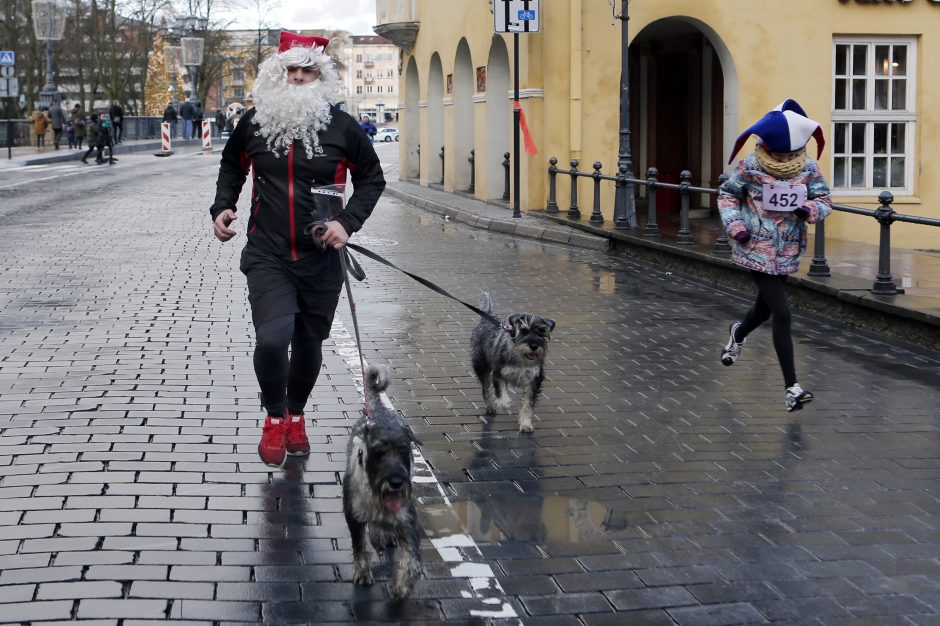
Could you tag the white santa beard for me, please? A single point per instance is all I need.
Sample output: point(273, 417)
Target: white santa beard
point(287, 112)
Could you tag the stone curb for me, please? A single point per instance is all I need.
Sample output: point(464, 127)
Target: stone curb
point(119, 149)
point(527, 231)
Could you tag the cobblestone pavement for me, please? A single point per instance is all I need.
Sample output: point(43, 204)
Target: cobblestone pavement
point(658, 487)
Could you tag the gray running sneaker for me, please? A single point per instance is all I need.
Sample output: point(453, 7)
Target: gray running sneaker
point(731, 350)
point(797, 397)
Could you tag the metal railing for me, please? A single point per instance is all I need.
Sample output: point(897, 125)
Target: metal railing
point(819, 267)
point(135, 127)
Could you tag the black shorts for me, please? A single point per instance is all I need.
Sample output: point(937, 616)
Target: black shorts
point(309, 287)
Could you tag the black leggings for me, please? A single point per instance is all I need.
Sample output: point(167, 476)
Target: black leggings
point(282, 380)
point(772, 301)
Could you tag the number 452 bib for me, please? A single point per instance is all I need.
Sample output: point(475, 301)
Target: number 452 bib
point(784, 196)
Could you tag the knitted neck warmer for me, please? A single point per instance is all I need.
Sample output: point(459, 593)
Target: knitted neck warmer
point(777, 169)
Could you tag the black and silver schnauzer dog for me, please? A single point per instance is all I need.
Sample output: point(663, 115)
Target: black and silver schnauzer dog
point(511, 355)
point(377, 497)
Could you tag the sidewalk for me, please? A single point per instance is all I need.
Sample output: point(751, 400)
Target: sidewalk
point(913, 316)
point(29, 155)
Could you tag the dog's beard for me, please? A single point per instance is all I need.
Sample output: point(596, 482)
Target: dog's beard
point(286, 112)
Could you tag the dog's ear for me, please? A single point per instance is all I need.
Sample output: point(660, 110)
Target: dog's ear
point(551, 324)
point(514, 318)
point(412, 436)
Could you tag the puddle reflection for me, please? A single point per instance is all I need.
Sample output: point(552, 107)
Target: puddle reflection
point(524, 519)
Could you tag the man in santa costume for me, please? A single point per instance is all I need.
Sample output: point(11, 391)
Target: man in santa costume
point(294, 143)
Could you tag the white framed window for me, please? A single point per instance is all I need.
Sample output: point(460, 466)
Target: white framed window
point(391, 89)
point(358, 88)
point(873, 115)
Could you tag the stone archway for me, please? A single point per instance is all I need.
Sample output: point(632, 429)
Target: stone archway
point(498, 118)
point(685, 109)
point(430, 154)
point(463, 117)
point(411, 167)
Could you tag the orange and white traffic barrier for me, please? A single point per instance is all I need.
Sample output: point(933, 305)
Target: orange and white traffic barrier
point(165, 140)
point(206, 135)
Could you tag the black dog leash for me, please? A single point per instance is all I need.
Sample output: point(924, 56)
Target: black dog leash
point(435, 288)
point(345, 261)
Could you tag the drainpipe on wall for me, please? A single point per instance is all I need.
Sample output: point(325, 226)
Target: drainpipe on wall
point(574, 110)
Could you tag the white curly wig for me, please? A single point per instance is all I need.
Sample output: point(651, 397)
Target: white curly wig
point(286, 112)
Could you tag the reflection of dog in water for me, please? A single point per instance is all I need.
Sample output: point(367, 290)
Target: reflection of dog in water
point(511, 355)
point(377, 497)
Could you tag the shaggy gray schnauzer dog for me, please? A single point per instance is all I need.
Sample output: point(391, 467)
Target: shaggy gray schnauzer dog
point(377, 497)
point(511, 355)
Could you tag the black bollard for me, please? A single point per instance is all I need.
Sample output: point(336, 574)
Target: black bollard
point(684, 236)
point(884, 281)
point(473, 172)
point(652, 226)
point(506, 172)
point(596, 216)
point(552, 173)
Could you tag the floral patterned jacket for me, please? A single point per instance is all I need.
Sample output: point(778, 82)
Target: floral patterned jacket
point(778, 238)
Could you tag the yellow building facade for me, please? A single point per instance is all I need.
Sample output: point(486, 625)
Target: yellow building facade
point(701, 71)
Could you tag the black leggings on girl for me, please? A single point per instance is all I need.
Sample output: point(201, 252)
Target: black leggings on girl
point(772, 301)
point(286, 381)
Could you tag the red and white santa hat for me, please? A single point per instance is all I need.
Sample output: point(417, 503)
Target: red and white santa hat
point(295, 50)
point(786, 128)
point(292, 40)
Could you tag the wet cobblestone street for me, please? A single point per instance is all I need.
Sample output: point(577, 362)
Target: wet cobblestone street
point(658, 487)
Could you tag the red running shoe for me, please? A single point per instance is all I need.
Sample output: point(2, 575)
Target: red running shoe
point(273, 438)
point(297, 443)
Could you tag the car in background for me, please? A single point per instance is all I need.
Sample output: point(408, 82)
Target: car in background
point(387, 134)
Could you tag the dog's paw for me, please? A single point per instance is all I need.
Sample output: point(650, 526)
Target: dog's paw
point(526, 426)
point(363, 577)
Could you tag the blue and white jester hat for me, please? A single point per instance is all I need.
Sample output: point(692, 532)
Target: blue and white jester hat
point(784, 129)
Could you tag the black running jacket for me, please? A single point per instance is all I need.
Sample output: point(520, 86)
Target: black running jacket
point(282, 203)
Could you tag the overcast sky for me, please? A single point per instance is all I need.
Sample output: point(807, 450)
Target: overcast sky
point(356, 16)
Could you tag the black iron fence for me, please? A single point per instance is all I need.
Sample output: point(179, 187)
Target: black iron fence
point(135, 127)
point(885, 216)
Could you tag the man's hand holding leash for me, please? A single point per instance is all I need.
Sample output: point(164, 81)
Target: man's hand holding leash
point(221, 225)
point(331, 234)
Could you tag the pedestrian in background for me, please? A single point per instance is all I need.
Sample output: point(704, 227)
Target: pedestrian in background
point(219, 122)
point(57, 121)
point(369, 128)
point(765, 206)
point(197, 122)
point(105, 139)
point(79, 122)
point(91, 132)
point(70, 133)
point(295, 139)
point(187, 111)
point(40, 125)
point(116, 113)
point(170, 115)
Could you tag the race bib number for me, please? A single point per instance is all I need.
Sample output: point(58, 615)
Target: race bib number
point(784, 196)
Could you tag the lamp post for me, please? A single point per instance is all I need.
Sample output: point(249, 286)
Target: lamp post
point(624, 202)
point(49, 24)
point(172, 60)
point(188, 50)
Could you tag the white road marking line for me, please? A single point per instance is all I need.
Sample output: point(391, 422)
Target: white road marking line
point(486, 587)
point(37, 180)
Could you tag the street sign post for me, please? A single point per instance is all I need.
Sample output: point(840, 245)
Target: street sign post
point(9, 87)
point(516, 16)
